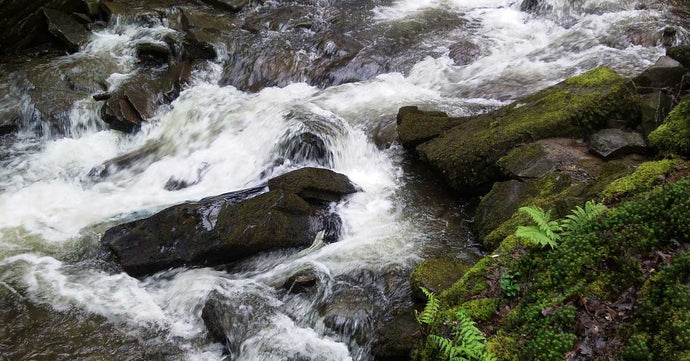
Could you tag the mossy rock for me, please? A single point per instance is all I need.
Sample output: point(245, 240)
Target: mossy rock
point(416, 126)
point(436, 275)
point(674, 135)
point(681, 54)
point(529, 161)
point(643, 179)
point(466, 155)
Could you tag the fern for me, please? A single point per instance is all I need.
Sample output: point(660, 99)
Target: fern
point(467, 344)
point(581, 216)
point(428, 315)
point(544, 233)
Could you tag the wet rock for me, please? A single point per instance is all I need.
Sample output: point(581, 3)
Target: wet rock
point(665, 73)
point(93, 8)
point(24, 24)
point(301, 281)
point(436, 275)
point(72, 332)
point(139, 97)
point(124, 161)
point(614, 143)
point(543, 157)
point(397, 337)
point(68, 30)
point(231, 319)
point(466, 154)
point(150, 52)
point(306, 148)
point(416, 126)
point(464, 52)
point(231, 5)
point(314, 184)
point(680, 54)
point(655, 107)
point(350, 313)
point(232, 226)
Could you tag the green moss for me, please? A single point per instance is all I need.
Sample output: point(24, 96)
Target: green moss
point(436, 275)
point(467, 154)
point(481, 309)
point(594, 78)
point(473, 282)
point(643, 179)
point(674, 135)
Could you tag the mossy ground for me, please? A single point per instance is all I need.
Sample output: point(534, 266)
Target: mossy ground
point(618, 288)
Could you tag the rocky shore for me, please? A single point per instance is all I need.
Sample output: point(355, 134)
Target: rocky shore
point(614, 288)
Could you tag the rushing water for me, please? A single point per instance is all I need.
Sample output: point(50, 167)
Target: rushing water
point(219, 139)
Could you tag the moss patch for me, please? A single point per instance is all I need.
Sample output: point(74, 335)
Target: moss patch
point(643, 179)
point(467, 154)
point(674, 135)
point(436, 275)
point(481, 309)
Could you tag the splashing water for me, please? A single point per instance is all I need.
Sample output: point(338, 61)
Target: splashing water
point(220, 139)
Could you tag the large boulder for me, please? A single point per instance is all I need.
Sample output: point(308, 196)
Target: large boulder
point(232, 226)
point(665, 73)
point(416, 126)
point(466, 154)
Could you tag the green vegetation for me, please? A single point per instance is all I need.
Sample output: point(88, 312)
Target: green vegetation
point(674, 135)
point(508, 284)
point(545, 232)
point(642, 180)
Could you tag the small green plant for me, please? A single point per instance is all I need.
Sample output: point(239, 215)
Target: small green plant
point(544, 233)
point(467, 343)
point(428, 315)
point(508, 284)
point(579, 216)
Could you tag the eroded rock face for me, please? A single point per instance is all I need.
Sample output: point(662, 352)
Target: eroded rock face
point(66, 28)
point(232, 226)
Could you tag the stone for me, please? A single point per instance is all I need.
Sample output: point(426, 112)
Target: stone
point(232, 226)
point(680, 54)
point(665, 73)
point(614, 143)
point(655, 107)
point(302, 281)
point(464, 52)
point(65, 28)
point(436, 275)
point(152, 52)
point(397, 337)
point(416, 126)
point(231, 5)
point(466, 154)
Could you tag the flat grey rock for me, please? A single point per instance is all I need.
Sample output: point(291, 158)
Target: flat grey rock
point(614, 143)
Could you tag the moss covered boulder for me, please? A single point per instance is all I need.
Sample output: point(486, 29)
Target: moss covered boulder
point(466, 155)
point(674, 135)
point(233, 226)
point(416, 126)
point(436, 275)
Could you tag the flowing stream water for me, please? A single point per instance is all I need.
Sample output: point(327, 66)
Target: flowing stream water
point(221, 139)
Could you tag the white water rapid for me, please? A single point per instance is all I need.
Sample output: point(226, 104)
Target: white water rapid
point(221, 139)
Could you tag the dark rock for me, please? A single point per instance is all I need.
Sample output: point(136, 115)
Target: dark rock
point(680, 54)
point(24, 25)
point(543, 157)
point(101, 96)
point(614, 143)
point(654, 108)
point(93, 8)
point(314, 184)
point(397, 337)
point(301, 281)
point(150, 52)
point(350, 313)
point(436, 275)
point(464, 52)
point(416, 126)
point(82, 18)
point(124, 161)
point(665, 73)
point(232, 226)
point(466, 154)
point(231, 320)
point(231, 5)
point(68, 30)
point(306, 148)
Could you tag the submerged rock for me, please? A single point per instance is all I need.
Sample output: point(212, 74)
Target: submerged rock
point(614, 143)
point(466, 154)
point(232, 226)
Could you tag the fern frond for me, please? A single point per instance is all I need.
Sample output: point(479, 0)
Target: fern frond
point(581, 216)
point(536, 235)
point(428, 315)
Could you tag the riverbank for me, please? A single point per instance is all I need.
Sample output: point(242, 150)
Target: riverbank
point(585, 223)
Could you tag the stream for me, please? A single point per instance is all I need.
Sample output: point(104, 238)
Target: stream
point(234, 126)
